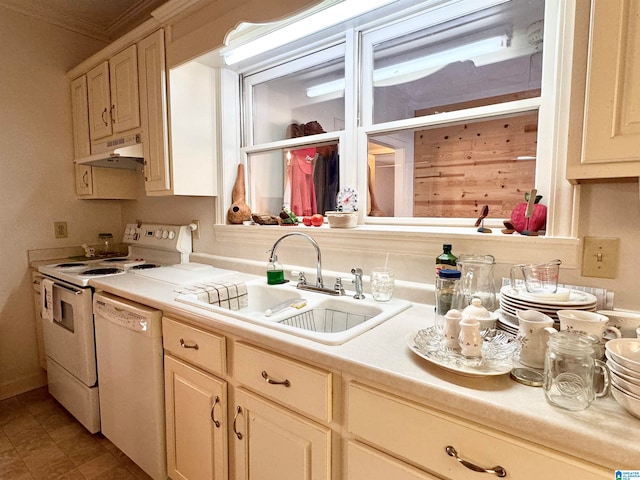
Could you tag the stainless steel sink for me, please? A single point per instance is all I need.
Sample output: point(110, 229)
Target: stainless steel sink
point(328, 320)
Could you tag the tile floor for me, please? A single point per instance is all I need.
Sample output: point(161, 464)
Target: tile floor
point(40, 440)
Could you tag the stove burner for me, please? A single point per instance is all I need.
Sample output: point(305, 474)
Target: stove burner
point(70, 265)
point(144, 266)
point(102, 271)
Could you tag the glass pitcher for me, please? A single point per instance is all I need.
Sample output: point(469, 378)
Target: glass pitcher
point(476, 281)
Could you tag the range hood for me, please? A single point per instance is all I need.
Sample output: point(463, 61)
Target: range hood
point(121, 152)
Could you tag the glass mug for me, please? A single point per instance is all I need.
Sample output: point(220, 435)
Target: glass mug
point(570, 370)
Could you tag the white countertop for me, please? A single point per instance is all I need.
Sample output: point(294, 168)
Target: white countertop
point(604, 433)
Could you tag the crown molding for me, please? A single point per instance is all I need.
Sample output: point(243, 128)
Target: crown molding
point(103, 31)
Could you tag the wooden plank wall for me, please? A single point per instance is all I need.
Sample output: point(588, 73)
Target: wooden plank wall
point(460, 168)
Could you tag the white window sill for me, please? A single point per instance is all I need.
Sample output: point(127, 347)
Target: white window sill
point(416, 241)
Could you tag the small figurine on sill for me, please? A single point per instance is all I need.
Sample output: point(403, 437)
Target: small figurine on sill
point(239, 211)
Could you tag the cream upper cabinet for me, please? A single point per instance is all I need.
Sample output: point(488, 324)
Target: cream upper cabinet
point(153, 106)
point(611, 129)
point(113, 95)
point(95, 182)
point(80, 117)
point(101, 183)
point(184, 162)
point(273, 443)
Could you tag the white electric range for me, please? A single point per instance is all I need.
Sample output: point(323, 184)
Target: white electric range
point(67, 311)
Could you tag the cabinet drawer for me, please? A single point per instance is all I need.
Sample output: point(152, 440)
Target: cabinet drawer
point(420, 435)
point(364, 463)
point(301, 386)
point(203, 349)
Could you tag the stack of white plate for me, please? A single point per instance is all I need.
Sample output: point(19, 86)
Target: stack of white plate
point(623, 359)
point(512, 300)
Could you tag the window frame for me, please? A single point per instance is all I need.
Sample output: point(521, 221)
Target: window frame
point(552, 107)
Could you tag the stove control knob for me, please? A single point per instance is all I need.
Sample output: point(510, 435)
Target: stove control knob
point(172, 234)
point(165, 234)
point(158, 234)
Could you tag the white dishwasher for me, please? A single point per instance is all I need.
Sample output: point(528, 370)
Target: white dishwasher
point(131, 379)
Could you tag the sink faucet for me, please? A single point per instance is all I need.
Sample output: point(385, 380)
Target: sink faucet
point(273, 258)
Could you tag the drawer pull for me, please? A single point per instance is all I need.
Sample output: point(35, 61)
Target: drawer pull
point(271, 381)
point(184, 345)
point(216, 400)
point(235, 418)
point(498, 471)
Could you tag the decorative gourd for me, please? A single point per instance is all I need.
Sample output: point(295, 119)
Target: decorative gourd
point(239, 211)
point(538, 218)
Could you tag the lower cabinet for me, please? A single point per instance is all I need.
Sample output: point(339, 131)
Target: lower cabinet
point(196, 418)
point(254, 414)
point(364, 463)
point(273, 443)
point(446, 446)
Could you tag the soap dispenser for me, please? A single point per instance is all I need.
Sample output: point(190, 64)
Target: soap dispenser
point(275, 273)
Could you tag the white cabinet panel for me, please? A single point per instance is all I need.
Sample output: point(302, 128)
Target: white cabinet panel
point(421, 435)
point(611, 135)
point(113, 95)
point(196, 415)
point(80, 117)
point(272, 443)
point(99, 102)
point(153, 107)
point(123, 76)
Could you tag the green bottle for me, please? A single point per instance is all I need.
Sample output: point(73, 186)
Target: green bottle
point(446, 259)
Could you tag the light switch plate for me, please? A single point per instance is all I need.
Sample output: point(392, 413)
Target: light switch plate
point(600, 257)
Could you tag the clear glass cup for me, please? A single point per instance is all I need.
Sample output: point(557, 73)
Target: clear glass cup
point(382, 282)
point(570, 372)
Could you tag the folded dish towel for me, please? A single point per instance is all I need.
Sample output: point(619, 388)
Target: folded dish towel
point(46, 295)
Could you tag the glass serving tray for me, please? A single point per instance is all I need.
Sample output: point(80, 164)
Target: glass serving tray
point(498, 350)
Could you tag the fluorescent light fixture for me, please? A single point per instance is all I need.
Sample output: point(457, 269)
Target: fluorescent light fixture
point(424, 66)
point(479, 52)
point(326, 88)
point(304, 27)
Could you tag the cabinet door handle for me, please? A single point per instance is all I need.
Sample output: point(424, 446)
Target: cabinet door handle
point(216, 400)
point(498, 471)
point(186, 345)
point(112, 114)
point(271, 381)
point(105, 117)
point(235, 418)
point(85, 178)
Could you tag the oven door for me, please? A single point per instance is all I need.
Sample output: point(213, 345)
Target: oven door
point(68, 331)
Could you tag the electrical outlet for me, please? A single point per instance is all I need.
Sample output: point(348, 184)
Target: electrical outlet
point(60, 229)
point(600, 257)
point(195, 235)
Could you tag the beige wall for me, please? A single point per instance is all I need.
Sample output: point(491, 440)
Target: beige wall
point(36, 184)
